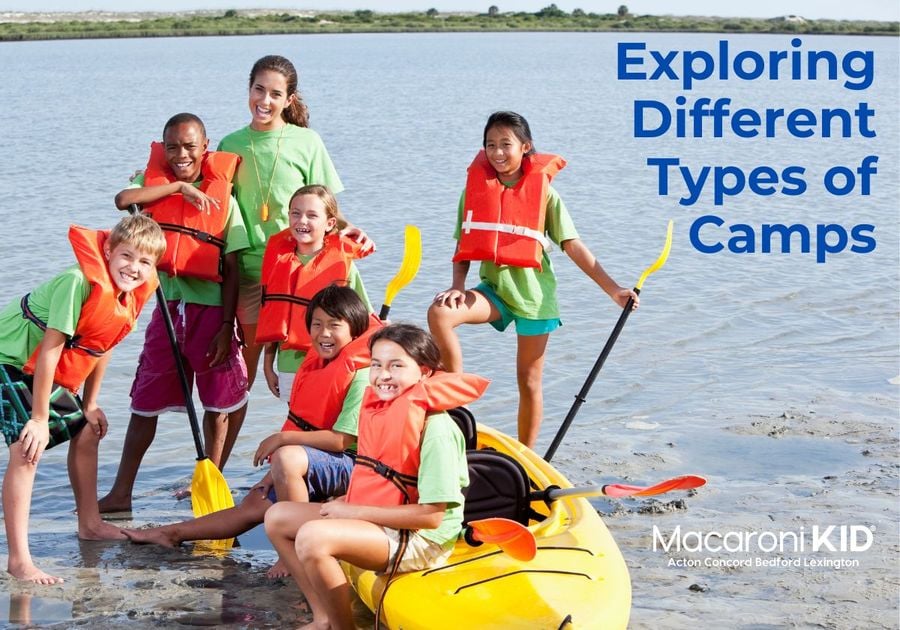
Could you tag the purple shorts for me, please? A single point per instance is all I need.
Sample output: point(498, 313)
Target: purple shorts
point(156, 386)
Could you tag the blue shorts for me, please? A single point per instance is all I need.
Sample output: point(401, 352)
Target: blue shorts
point(524, 326)
point(327, 476)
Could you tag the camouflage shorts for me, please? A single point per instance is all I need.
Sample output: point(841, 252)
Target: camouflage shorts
point(66, 413)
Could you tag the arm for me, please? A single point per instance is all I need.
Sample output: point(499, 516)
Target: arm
point(149, 194)
point(412, 516)
point(585, 260)
point(456, 294)
point(220, 346)
point(92, 412)
point(35, 435)
point(271, 349)
point(325, 440)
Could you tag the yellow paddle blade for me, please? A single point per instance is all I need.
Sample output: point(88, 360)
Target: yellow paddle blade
point(412, 258)
point(664, 254)
point(209, 490)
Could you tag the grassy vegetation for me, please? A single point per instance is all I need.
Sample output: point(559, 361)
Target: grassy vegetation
point(234, 22)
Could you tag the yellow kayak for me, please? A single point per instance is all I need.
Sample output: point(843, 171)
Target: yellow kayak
point(578, 579)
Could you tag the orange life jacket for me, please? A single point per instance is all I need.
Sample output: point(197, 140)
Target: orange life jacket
point(390, 437)
point(317, 396)
point(506, 224)
point(195, 240)
point(104, 320)
point(288, 285)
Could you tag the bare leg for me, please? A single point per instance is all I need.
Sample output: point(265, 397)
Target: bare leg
point(215, 425)
point(289, 467)
point(442, 320)
point(216, 526)
point(18, 483)
point(138, 438)
point(251, 352)
point(529, 372)
point(82, 462)
point(318, 545)
point(234, 423)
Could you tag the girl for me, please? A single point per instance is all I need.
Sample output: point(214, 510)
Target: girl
point(506, 214)
point(299, 261)
point(279, 154)
point(316, 443)
point(379, 525)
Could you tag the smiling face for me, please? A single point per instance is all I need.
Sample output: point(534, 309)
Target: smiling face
point(392, 370)
point(268, 98)
point(309, 222)
point(185, 145)
point(504, 150)
point(129, 267)
point(329, 334)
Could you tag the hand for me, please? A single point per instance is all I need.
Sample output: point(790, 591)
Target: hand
point(220, 346)
point(452, 298)
point(272, 380)
point(622, 295)
point(266, 448)
point(135, 175)
point(368, 245)
point(265, 484)
point(338, 509)
point(34, 438)
point(198, 198)
point(96, 419)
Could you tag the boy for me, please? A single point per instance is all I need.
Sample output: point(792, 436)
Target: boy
point(57, 338)
point(187, 190)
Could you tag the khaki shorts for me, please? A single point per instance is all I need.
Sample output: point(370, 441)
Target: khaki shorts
point(420, 553)
point(249, 301)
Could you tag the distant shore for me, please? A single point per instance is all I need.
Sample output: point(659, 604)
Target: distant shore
point(22, 26)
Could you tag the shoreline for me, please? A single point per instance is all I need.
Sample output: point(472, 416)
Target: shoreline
point(35, 26)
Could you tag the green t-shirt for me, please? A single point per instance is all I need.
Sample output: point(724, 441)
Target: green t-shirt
point(529, 292)
point(289, 361)
point(443, 473)
point(196, 290)
point(348, 420)
point(301, 160)
point(57, 302)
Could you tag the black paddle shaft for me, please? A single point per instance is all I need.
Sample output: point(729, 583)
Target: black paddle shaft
point(182, 376)
point(598, 364)
point(179, 364)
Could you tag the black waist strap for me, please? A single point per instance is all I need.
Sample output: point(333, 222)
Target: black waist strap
point(203, 237)
point(401, 480)
point(283, 297)
point(302, 424)
point(72, 342)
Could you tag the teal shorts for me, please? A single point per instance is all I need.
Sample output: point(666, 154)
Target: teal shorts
point(524, 326)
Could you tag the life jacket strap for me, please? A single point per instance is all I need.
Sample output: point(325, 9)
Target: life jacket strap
point(71, 342)
point(400, 480)
point(283, 297)
point(203, 237)
point(301, 424)
point(520, 230)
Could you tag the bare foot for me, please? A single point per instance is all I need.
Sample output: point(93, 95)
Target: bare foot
point(31, 573)
point(277, 570)
point(316, 625)
point(151, 536)
point(101, 530)
point(183, 493)
point(109, 503)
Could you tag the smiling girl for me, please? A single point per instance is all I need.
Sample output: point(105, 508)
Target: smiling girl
point(408, 523)
point(280, 153)
point(508, 216)
point(299, 261)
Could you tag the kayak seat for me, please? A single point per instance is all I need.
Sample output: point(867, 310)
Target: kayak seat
point(498, 487)
point(465, 420)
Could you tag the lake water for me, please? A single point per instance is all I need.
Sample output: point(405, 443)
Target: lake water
point(722, 343)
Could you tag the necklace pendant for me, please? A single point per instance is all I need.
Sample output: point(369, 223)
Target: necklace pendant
point(264, 212)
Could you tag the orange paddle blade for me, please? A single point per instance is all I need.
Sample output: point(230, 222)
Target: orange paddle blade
point(686, 482)
point(512, 537)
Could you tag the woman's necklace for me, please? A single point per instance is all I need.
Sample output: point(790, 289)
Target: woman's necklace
point(264, 208)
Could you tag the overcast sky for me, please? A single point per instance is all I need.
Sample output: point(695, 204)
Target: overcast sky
point(815, 9)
